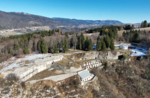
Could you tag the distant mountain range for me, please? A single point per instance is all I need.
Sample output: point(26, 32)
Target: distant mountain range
point(9, 20)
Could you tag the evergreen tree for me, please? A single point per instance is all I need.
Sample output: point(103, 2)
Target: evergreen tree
point(98, 44)
point(111, 35)
point(65, 45)
point(66, 35)
point(149, 25)
point(39, 45)
point(86, 44)
point(16, 46)
point(10, 51)
point(79, 43)
point(82, 41)
point(127, 27)
point(103, 46)
point(43, 34)
point(53, 31)
point(145, 24)
point(21, 42)
point(136, 37)
point(90, 45)
point(112, 47)
point(33, 47)
point(55, 49)
point(107, 41)
point(25, 50)
point(43, 46)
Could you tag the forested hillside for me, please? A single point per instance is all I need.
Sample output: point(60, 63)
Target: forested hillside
point(53, 41)
point(9, 20)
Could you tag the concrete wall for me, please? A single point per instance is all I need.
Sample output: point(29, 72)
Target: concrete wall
point(88, 78)
point(95, 55)
point(92, 64)
point(41, 65)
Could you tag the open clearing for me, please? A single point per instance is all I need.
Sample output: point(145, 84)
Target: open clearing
point(142, 29)
point(45, 73)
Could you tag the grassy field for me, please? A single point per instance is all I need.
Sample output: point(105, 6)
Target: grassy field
point(142, 29)
point(68, 63)
point(120, 32)
point(7, 33)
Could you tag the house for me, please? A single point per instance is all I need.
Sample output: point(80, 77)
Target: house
point(85, 76)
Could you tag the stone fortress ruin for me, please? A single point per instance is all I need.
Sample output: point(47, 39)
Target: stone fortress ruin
point(30, 65)
point(27, 66)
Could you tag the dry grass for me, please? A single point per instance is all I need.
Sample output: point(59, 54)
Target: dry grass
point(68, 63)
point(64, 62)
point(72, 51)
point(44, 74)
point(120, 32)
point(143, 29)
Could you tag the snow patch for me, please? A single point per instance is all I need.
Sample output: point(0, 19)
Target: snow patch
point(12, 63)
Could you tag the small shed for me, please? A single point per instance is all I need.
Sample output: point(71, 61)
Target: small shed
point(85, 75)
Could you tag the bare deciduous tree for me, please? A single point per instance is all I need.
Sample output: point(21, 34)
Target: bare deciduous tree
point(74, 38)
point(12, 77)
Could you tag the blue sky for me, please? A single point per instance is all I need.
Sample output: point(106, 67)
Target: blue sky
point(127, 11)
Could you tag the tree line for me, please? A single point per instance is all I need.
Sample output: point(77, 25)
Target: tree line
point(145, 24)
point(132, 36)
point(103, 28)
point(37, 41)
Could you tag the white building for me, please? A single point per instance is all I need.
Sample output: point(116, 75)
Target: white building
point(85, 75)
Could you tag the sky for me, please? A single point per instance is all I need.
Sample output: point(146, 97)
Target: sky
point(126, 11)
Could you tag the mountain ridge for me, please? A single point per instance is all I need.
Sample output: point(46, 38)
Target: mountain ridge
point(10, 20)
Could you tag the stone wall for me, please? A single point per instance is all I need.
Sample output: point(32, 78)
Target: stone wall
point(38, 65)
point(96, 55)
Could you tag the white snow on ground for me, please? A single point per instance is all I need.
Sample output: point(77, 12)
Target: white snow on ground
point(138, 51)
point(15, 63)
